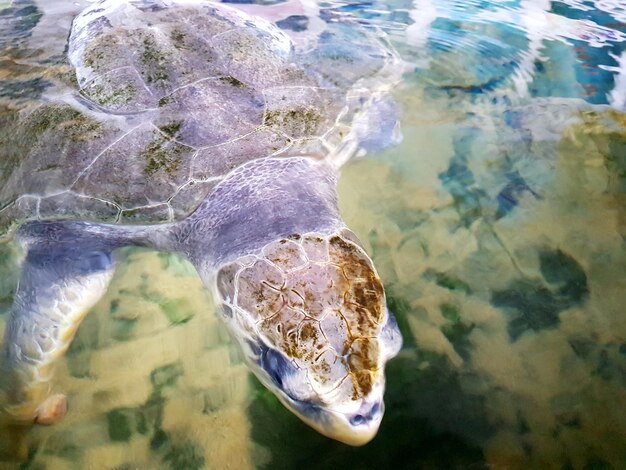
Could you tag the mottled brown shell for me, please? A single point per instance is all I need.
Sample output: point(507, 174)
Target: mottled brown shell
point(320, 302)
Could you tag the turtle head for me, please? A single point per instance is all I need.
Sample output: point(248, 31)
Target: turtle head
point(309, 311)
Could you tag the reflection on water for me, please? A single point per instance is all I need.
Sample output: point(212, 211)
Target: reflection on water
point(498, 226)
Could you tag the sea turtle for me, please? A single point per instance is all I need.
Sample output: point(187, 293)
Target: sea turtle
point(195, 128)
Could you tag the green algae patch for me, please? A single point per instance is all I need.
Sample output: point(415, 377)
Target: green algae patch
point(178, 312)
point(82, 129)
point(94, 55)
point(232, 81)
point(455, 330)
point(163, 155)
point(559, 268)
point(450, 312)
point(123, 329)
point(534, 304)
point(165, 377)
point(153, 58)
point(119, 424)
point(111, 96)
point(447, 281)
point(176, 265)
point(63, 119)
point(171, 129)
point(103, 51)
point(78, 365)
point(185, 455)
point(295, 122)
point(178, 38)
point(607, 131)
point(9, 266)
point(531, 306)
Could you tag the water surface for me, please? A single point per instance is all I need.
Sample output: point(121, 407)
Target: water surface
point(497, 225)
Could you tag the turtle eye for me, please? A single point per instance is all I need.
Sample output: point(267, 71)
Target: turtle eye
point(276, 365)
point(284, 374)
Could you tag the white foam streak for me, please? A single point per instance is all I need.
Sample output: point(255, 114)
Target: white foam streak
point(423, 14)
point(617, 97)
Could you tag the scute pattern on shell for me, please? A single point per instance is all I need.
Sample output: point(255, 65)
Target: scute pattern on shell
point(317, 300)
point(171, 99)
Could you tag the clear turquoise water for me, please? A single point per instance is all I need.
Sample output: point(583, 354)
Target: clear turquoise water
point(498, 226)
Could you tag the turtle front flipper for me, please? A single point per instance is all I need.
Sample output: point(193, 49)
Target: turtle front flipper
point(62, 278)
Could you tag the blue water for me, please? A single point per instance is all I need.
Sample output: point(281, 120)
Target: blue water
point(498, 225)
